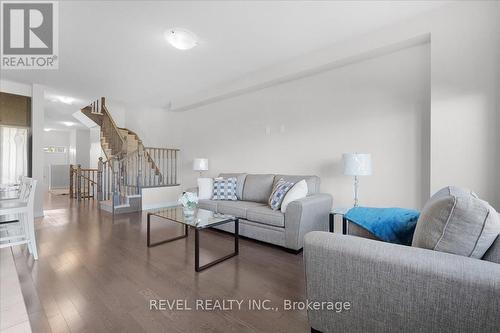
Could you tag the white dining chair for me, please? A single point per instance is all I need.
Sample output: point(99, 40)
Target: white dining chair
point(15, 194)
point(23, 231)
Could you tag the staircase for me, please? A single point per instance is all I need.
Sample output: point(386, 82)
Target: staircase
point(129, 166)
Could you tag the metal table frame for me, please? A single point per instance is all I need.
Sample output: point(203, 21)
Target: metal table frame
point(197, 230)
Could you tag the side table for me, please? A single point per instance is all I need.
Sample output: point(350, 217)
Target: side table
point(341, 211)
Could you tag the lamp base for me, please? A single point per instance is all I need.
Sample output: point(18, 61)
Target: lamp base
point(356, 185)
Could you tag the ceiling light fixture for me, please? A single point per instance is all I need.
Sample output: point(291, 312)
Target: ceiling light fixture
point(68, 123)
point(66, 100)
point(47, 129)
point(181, 39)
point(62, 99)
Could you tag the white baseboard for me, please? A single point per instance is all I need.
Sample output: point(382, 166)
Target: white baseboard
point(160, 205)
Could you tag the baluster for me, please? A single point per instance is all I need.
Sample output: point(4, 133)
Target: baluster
point(167, 166)
point(155, 179)
point(103, 103)
point(79, 182)
point(84, 185)
point(137, 166)
point(176, 181)
point(87, 183)
point(115, 183)
point(140, 156)
point(167, 179)
point(149, 167)
point(107, 181)
point(162, 166)
point(171, 158)
point(171, 166)
point(99, 179)
point(71, 181)
point(136, 169)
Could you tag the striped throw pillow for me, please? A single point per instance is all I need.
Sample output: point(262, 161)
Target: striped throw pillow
point(225, 189)
point(279, 191)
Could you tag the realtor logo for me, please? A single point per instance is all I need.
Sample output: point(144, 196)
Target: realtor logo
point(29, 35)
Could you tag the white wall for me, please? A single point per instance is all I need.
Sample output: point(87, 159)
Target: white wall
point(117, 111)
point(80, 147)
point(379, 105)
point(16, 88)
point(465, 99)
point(58, 139)
point(151, 124)
point(38, 119)
point(159, 197)
point(465, 86)
point(95, 146)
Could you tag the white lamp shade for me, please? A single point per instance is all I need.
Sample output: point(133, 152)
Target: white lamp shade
point(357, 164)
point(200, 164)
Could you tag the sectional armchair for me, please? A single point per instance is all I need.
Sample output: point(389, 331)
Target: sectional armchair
point(442, 283)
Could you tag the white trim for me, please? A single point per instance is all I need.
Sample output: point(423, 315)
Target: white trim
point(15, 88)
point(160, 205)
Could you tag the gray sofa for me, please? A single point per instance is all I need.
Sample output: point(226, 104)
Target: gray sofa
point(258, 221)
point(395, 288)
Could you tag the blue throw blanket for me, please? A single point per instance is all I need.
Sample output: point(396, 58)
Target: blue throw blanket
point(393, 225)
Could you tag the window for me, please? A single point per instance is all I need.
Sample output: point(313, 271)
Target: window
point(13, 154)
point(54, 149)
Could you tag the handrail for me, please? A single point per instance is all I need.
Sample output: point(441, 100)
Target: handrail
point(103, 107)
point(107, 123)
point(130, 166)
point(175, 149)
point(83, 182)
point(132, 132)
point(87, 178)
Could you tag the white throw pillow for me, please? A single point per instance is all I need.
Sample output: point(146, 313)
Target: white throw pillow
point(205, 188)
point(298, 191)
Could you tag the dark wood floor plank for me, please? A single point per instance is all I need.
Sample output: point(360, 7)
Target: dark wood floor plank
point(95, 274)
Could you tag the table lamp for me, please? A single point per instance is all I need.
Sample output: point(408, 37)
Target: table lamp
point(200, 164)
point(356, 165)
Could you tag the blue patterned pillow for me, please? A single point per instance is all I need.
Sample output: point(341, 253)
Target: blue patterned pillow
point(225, 189)
point(279, 191)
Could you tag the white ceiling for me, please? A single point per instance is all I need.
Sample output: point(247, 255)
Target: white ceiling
point(116, 48)
point(59, 115)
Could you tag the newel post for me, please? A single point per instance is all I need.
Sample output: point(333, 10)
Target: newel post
point(79, 182)
point(115, 183)
point(100, 165)
point(71, 194)
point(103, 104)
point(140, 158)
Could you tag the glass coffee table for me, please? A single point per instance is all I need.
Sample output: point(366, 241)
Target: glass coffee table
point(198, 219)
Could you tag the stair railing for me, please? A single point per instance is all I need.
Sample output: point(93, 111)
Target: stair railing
point(105, 176)
point(164, 166)
point(128, 172)
point(84, 183)
point(117, 141)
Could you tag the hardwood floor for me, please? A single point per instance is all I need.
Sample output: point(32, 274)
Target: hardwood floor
point(95, 274)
